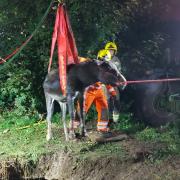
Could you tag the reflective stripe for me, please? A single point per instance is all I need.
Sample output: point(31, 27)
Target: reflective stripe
point(111, 89)
point(95, 87)
point(103, 130)
point(101, 127)
point(102, 123)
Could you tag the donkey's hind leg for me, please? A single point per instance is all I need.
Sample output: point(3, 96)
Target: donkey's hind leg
point(70, 102)
point(63, 110)
point(82, 114)
point(50, 109)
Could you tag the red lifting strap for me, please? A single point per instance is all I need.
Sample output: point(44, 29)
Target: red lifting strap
point(67, 51)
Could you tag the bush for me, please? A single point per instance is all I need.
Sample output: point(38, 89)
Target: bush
point(16, 92)
point(128, 124)
point(167, 138)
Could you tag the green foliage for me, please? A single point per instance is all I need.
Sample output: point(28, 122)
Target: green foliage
point(21, 80)
point(92, 114)
point(93, 22)
point(166, 142)
point(94, 150)
point(148, 134)
point(128, 124)
point(15, 91)
point(14, 119)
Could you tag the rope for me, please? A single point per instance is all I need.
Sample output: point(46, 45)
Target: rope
point(30, 126)
point(15, 53)
point(151, 81)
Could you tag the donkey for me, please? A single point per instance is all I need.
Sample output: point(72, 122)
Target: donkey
point(79, 77)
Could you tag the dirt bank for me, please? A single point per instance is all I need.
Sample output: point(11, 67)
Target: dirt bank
point(135, 164)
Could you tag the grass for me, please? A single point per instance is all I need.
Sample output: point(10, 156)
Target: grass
point(167, 142)
point(128, 124)
point(166, 139)
point(25, 137)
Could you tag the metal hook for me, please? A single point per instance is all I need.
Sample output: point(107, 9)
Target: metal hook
point(60, 1)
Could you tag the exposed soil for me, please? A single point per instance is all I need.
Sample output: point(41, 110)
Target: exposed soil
point(63, 165)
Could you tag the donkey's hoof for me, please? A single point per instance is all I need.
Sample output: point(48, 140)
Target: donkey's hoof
point(67, 138)
point(72, 135)
point(84, 133)
point(48, 137)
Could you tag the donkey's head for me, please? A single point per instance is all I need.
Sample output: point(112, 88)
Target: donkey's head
point(109, 74)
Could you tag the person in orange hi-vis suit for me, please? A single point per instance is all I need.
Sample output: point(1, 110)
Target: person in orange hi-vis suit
point(109, 54)
point(94, 94)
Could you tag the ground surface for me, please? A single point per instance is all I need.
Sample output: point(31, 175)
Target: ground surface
point(24, 153)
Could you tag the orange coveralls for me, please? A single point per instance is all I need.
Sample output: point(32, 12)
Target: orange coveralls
point(95, 94)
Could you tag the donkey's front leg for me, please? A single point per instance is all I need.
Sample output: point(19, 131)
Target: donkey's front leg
point(70, 102)
point(50, 109)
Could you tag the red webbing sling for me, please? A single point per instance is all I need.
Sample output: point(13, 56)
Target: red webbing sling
point(67, 51)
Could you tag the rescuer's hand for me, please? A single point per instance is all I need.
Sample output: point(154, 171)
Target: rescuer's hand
point(124, 85)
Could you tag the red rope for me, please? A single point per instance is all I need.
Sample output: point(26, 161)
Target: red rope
point(151, 81)
point(3, 60)
point(18, 50)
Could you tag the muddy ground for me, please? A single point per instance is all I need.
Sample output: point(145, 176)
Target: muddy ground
point(134, 164)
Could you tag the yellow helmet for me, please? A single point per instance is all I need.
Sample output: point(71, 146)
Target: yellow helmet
point(104, 54)
point(111, 45)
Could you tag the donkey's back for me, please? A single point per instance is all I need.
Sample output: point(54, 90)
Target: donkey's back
point(78, 77)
